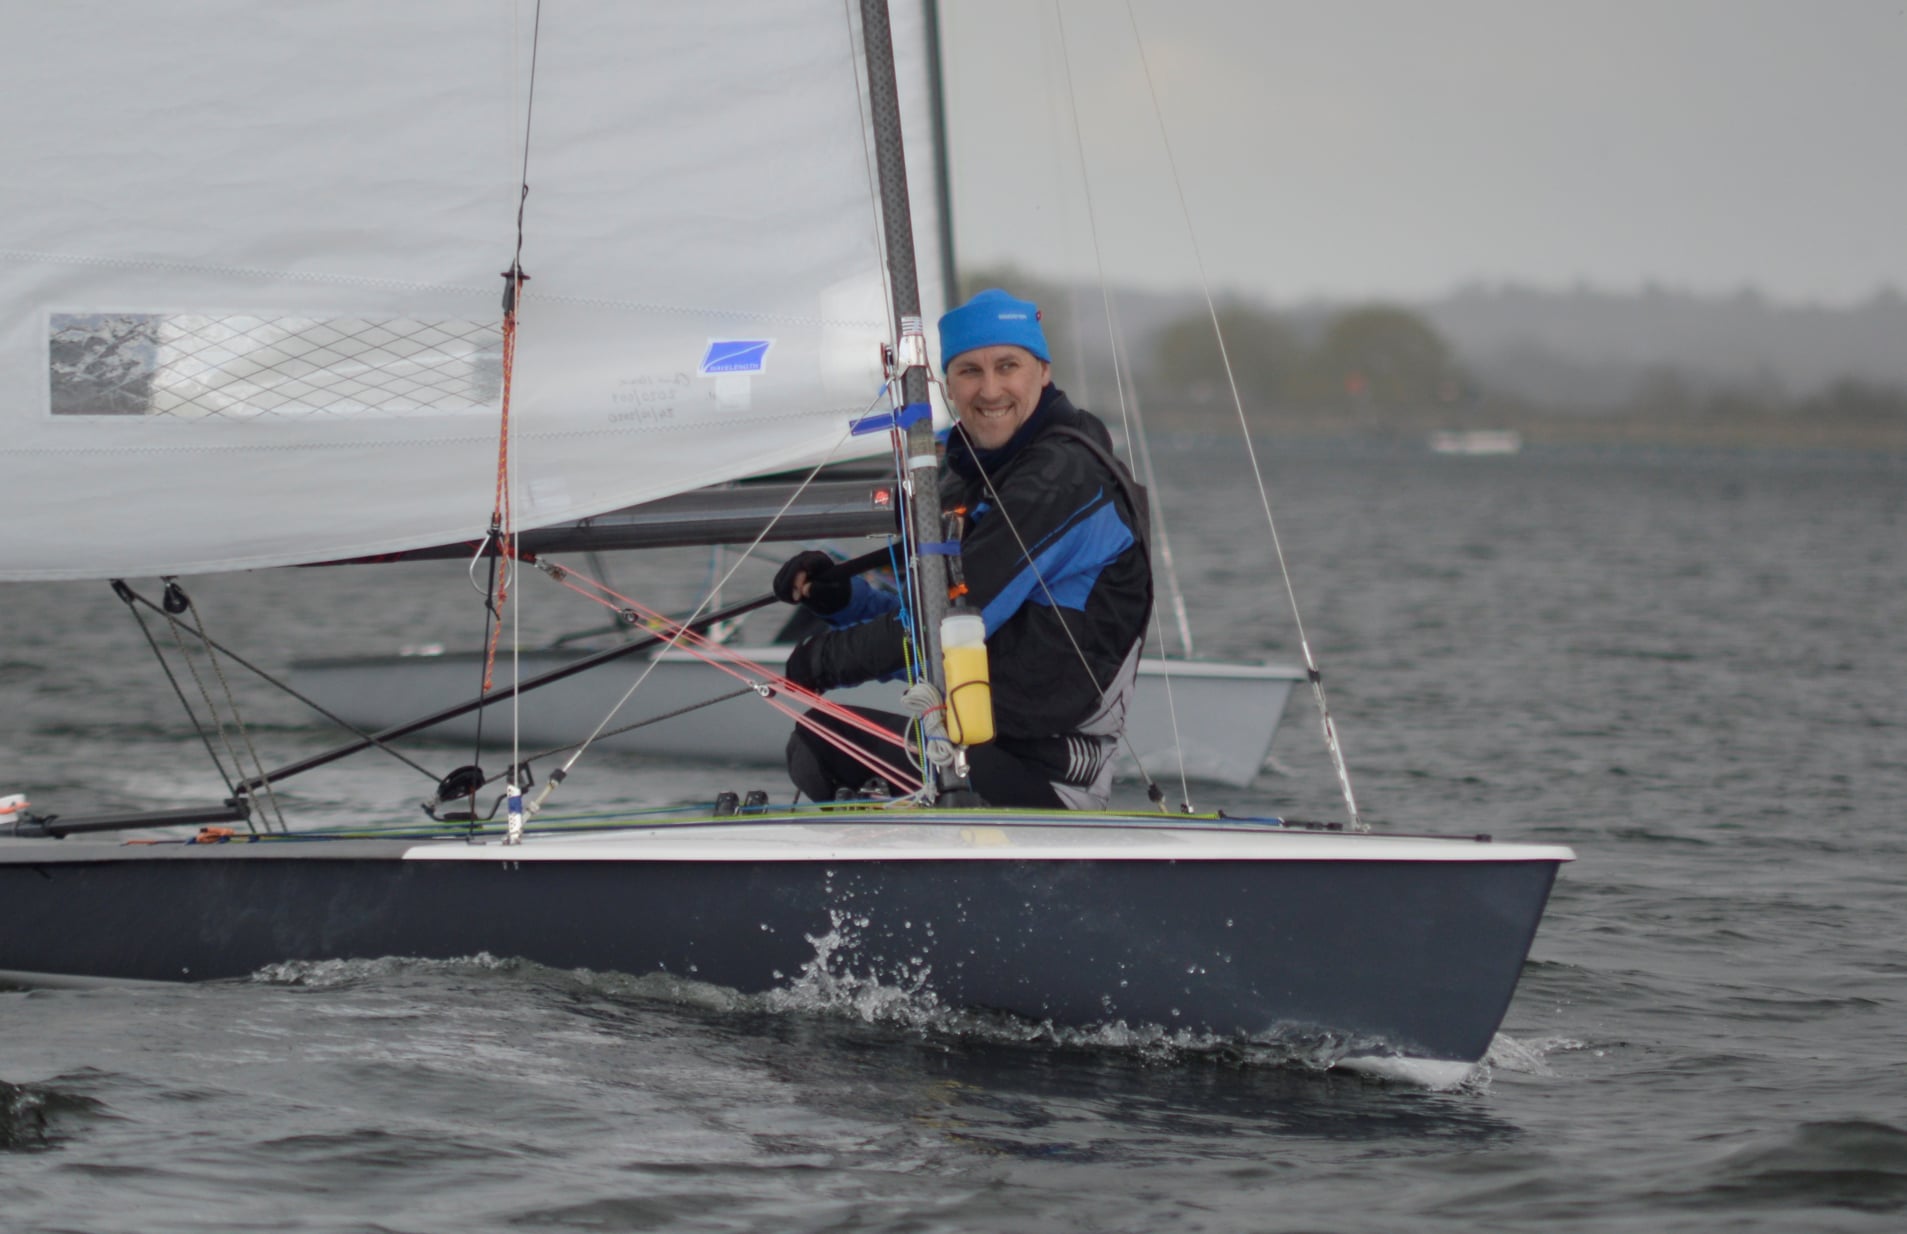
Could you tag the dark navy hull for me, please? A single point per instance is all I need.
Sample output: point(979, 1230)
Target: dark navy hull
point(1419, 957)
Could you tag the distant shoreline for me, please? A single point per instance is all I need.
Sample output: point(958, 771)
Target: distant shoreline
point(1565, 428)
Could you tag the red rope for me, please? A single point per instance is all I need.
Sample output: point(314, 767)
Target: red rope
point(725, 659)
point(502, 519)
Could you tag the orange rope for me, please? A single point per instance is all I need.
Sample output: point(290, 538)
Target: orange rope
point(502, 520)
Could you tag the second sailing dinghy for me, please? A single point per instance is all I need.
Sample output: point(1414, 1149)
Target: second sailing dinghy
point(264, 333)
point(1214, 721)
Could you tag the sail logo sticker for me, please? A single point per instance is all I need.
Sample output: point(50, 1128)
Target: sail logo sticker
point(735, 355)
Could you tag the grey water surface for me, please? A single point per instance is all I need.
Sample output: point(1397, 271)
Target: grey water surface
point(1690, 666)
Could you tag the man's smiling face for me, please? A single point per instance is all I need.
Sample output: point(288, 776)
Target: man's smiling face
point(994, 390)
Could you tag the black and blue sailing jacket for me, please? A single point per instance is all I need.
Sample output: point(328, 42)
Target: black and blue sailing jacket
point(1054, 558)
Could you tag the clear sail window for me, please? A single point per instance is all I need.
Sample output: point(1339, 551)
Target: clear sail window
point(194, 366)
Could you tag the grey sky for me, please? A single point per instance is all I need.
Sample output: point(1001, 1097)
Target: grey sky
point(1399, 148)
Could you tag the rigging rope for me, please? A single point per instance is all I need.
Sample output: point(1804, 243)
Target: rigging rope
point(500, 543)
point(127, 594)
point(1138, 446)
point(729, 661)
point(501, 540)
point(681, 632)
point(1119, 361)
point(238, 722)
point(679, 712)
point(132, 597)
point(177, 602)
point(1126, 422)
point(1311, 666)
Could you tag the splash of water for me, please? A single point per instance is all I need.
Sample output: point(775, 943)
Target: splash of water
point(22, 1117)
point(30, 1115)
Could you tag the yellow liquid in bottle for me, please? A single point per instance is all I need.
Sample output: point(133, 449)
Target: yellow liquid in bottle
point(969, 696)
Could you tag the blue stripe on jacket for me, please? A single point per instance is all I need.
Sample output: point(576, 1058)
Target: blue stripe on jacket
point(1069, 563)
point(867, 603)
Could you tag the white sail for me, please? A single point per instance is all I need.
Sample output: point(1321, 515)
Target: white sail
point(251, 258)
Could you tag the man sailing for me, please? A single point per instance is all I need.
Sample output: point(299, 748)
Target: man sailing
point(1054, 558)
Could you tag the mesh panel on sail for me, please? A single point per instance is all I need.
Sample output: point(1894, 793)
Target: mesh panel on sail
point(193, 366)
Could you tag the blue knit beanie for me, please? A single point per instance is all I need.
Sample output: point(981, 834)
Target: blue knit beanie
point(991, 319)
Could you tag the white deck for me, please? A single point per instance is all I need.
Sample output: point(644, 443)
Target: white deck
point(1082, 838)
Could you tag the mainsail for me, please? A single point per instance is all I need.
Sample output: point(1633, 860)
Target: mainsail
point(251, 265)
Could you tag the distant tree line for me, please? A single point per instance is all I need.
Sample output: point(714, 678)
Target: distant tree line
point(1365, 367)
point(1368, 357)
point(1669, 393)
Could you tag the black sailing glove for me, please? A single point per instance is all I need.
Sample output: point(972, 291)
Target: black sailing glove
point(802, 669)
point(828, 590)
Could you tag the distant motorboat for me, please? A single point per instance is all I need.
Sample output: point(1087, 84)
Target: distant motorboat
point(1476, 441)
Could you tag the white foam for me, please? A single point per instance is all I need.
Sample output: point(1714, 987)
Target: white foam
point(331, 974)
point(1436, 1074)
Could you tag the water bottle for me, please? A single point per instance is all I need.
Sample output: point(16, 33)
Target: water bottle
point(963, 659)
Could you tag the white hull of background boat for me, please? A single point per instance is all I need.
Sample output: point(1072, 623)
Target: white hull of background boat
point(1354, 946)
point(1226, 714)
point(1476, 441)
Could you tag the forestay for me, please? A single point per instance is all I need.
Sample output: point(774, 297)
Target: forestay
point(250, 262)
